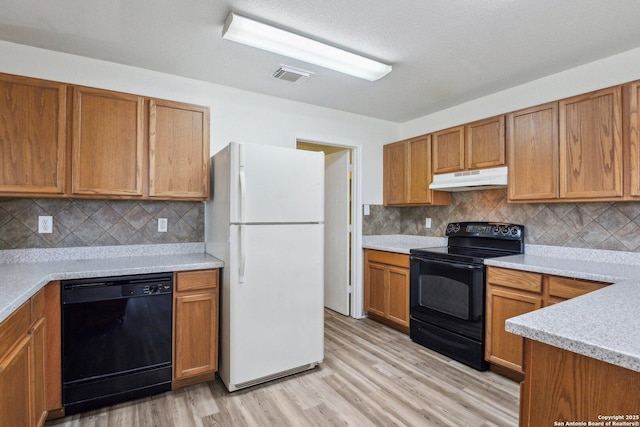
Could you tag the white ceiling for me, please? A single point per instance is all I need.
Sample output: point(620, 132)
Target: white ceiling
point(443, 52)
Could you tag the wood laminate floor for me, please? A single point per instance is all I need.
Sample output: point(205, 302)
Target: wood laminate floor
point(371, 376)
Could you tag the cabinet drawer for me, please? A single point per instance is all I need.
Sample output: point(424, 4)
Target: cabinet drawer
point(522, 280)
point(200, 279)
point(14, 327)
point(566, 287)
point(389, 258)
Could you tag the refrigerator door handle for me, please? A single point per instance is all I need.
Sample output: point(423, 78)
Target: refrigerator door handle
point(243, 193)
point(243, 256)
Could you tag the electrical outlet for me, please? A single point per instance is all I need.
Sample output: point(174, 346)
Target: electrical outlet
point(45, 224)
point(427, 223)
point(162, 225)
point(367, 210)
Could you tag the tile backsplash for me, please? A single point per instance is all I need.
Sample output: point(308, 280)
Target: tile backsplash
point(607, 225)
point(79, 223)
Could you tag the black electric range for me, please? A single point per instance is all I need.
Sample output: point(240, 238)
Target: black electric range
point(447, 292)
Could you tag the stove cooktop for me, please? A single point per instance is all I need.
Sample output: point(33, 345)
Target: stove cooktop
point(473, 242)
point(471, 255)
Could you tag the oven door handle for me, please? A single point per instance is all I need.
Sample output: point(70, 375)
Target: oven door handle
point(450, 264)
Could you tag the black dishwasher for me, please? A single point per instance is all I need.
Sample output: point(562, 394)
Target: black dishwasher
point(116, 339)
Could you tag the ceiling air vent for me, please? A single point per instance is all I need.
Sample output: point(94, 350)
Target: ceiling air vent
point(291, 74)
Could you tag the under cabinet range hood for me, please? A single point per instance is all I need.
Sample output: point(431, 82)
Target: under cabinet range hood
point(479, 179)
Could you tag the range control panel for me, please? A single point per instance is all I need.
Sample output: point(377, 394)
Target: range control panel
point(495, 230)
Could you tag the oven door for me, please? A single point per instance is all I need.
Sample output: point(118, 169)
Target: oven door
point(448, 288)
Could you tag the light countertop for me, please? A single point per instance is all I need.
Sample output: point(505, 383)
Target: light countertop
point(604, 324)
point(22, 276)
point(401, 243)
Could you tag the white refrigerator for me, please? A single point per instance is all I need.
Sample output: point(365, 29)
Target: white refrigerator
point(265, 221)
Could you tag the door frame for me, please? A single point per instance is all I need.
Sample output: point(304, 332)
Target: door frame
point(356, 303)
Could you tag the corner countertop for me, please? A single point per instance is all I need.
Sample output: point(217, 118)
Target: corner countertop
point(401, 243)
point(22, 275)
point(603, 324)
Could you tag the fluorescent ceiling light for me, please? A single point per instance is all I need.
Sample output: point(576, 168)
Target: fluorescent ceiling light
point(253, 33)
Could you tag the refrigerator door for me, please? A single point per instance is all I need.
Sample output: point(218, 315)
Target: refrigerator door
point(275, 185)
point(276, 308)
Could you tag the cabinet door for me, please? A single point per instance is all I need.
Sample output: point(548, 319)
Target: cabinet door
point(532, 144)
point(485, 144)
point(395, 173)
point(39, 400)
point(178, 150)
point(504, 348)
point(375, 289)
point(398, 309)
point(16, 390)
point(633, 106)
point(591, 145)
point(196, 334)
point(32, 140)
point(448, 150)
point(419, 176)
point(108, 143)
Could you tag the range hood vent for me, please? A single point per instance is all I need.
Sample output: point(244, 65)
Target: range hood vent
point(480, 179)
point(291, 74)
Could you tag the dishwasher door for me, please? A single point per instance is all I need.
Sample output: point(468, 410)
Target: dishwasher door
point(116, 339)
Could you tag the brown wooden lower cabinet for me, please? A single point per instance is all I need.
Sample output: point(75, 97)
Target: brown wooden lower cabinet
point(504, 348)
point(195, 328)
point(563, 386)
point(22, 365)
point(511, 293)
point(386, 288)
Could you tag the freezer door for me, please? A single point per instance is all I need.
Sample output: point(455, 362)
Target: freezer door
point(276, 185)
point(276, 313)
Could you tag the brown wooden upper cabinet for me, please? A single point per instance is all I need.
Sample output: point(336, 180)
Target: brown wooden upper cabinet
point(62, 140)
point(485, 144)
point(178, 150)
point(476, 145)
point(33, 139)
point(591, 145)
point(569, 150)
point(407, 174)
point(448, 150)
point(632, 94)
point(532, 145)
point(107, 143)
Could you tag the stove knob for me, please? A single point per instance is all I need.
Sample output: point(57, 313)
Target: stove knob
point(504, 229)
point(456, 228)
point(449, 228)
point(513, 230)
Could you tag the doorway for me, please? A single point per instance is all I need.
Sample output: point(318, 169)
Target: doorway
point(339, 271)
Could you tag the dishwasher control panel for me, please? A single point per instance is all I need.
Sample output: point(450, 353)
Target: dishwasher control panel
point(146, 289)
point(116, 287)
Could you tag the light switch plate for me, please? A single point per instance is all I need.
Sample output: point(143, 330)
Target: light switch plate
point(427, 223)
point(162, 225)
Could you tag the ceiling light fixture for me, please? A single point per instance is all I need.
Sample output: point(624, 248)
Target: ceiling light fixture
point(253, 33)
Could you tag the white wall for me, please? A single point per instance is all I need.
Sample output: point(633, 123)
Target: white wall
point(617, 69)
point(235, 115)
